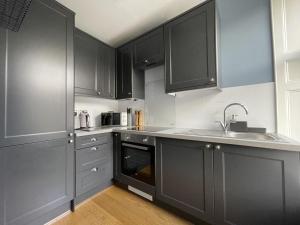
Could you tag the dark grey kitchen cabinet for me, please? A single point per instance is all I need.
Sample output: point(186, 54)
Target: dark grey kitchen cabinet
point(86, 51)
point(184, 176)
point(148, 50)
point(94, 67)
point(35, 179)
point(256, 186)
point(106, 71)
point(37, 76)
point(190, 50)
point(94, 165)
point(130, 81)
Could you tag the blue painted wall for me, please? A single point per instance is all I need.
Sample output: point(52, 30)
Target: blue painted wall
point(245, 42)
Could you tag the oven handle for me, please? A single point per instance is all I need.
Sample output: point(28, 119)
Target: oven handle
point(136, 146)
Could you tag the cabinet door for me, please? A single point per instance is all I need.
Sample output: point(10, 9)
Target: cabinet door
point(85, 63)
point(149, 49)
point(2, 188)
point(184, 177)
point(256, 186)
point(191, 50)
point(37, 76)
point(38, 178)
point(106, 71)
point(124, 72)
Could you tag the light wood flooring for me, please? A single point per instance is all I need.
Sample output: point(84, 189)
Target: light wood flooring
point(115, 206)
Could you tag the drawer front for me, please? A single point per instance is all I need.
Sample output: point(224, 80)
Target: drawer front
point(93, 140)
point(92, 177)
point(95, 154)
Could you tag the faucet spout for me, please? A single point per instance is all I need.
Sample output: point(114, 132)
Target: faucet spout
point(224, 124)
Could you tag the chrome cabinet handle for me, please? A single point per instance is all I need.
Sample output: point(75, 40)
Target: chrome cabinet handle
point(93, 139)
point(145, 140)
point(71, 135)
point(99, 92)
point(146, 61)
point(212, 79)
point(70, 141)
point(93, 149)
point(129, 93)
point(208, 146)
point(218, 147)
point(127, 157)
point(95, 169)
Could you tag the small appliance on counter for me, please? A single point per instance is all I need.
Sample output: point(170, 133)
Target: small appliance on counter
point(114, 119)
point(84, 118)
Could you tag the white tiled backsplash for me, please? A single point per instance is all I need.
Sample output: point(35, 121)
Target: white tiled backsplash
point(191, 109)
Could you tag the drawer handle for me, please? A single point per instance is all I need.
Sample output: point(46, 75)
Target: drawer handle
point(93, 139)
point(93, 149)
point(95, 169)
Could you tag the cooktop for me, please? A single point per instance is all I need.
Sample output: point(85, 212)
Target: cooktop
point(148, 128)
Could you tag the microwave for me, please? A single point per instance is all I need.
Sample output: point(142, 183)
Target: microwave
point(114, 119)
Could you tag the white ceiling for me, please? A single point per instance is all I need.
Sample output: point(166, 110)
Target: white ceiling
point(118, 21)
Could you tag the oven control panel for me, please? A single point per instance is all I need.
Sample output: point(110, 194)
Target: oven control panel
point(137, 138)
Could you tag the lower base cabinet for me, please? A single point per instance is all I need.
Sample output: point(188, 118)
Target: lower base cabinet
point(35, 179)
point(94, 165)
point(184, 177)
point(229, 185)
point(256, 186)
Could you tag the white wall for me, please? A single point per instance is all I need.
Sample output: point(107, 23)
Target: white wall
point(200, 109)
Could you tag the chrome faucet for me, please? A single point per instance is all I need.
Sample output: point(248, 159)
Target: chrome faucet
point(225, 124)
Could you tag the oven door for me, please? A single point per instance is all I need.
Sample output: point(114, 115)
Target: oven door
point(137, 161)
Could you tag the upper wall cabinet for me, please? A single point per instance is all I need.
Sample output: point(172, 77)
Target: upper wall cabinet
point(85, 64)
point(149, 49)
point(190, 48)
point(130, 81)
point(94, 67)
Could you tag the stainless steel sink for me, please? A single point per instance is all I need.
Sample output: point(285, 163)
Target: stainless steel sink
point(229, 134)
point(252, 136)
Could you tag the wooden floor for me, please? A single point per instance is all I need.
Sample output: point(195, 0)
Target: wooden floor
point(115, 206)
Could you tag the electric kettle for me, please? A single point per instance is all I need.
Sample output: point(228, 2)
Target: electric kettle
point(84, 118)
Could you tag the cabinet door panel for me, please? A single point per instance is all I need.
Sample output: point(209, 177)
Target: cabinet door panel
point(36, 76)
point(184, 176)
point(256, 186)
point(149, 49)
point(190, 50)
point(124, 72)
point(106, 71)
point(85, 63)
point(2, 187)
point(38, 178)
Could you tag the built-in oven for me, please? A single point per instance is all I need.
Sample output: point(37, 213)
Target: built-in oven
point(138, 162)
point(135, 163)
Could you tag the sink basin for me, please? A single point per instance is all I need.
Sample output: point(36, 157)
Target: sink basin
point(230, 134)
point(252, 136)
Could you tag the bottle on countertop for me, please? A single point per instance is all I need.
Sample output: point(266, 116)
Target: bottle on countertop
point(129, 117)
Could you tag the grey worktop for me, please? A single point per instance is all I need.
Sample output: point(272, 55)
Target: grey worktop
point(209, 136)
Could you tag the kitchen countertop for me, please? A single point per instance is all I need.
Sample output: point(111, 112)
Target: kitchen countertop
point(210, 136)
